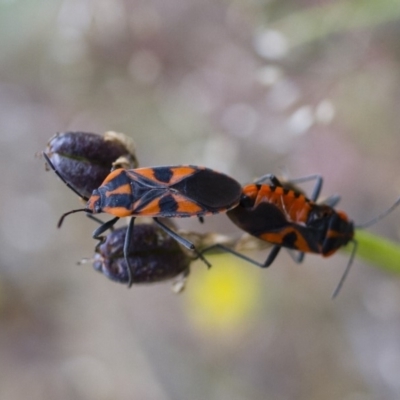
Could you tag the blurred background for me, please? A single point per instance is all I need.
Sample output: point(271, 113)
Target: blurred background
point(245, 87)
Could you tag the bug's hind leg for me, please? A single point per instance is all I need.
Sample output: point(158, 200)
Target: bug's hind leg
point(271, 256)
point(332, 201)
point(276, 182)
point(347, 269)
point(103, 227)
point(128, 241)
point(317, 187)
point(297, 256)
point(184, 242)
point(269, 177)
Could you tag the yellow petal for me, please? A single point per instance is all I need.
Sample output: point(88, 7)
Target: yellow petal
point(224, 297)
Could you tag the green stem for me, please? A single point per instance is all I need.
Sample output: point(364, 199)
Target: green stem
point(378, 251)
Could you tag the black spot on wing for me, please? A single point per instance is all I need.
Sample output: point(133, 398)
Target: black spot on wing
point(168, 205)
point(309, 234)
point(212, 190)
point(145, 196)
point(163, 174)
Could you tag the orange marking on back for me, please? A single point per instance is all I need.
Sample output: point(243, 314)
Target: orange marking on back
point(295, 207)
point(123, 189)
point(146, 172)
point(343, 215)
point(151, 210)
point(302, 245)
point(298, 208)
point(117, 211)
point(278, 238)
point(179, 173)
point(251, 190)
point(330, 252)
point(186, 206)
point(332, 234)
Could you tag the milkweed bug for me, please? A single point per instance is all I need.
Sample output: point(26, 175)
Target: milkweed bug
point(285, 217)
point(171, 191)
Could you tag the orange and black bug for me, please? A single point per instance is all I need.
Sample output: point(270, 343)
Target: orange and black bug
point(172, 191)
point(285, 217)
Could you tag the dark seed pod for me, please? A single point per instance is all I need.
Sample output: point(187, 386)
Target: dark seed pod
point(155, 256)
point(85, 159)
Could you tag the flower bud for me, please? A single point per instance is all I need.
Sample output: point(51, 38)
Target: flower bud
point(85, 159)
point(154, 256)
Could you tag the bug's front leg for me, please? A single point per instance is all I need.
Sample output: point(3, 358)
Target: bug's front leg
point(127, 243)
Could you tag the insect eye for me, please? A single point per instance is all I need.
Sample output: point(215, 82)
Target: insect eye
point(316, 216)
point(246, 201)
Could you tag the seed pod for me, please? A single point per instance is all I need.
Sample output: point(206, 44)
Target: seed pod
point(85, 159)
point(154, 256)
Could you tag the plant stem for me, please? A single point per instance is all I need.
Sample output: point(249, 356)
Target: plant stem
point(378, 251)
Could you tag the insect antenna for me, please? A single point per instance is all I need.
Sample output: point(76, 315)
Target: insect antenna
point(380, 216)
point(355, 244)
point(346, 271)
point(71, 212)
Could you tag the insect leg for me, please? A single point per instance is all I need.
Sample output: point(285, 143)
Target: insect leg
point(184, 242)
point(128, 237)
point(103, 227)
point(332, 201)
point(380, 216)
point(269, 177)
point(276, 182)
point(317, 187)
point(231, 251)
point(346, 271)
point(98, 220)
point(271, 257)
point(297, 256)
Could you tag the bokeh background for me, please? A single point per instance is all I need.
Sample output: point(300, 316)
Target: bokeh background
point(246, 87)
